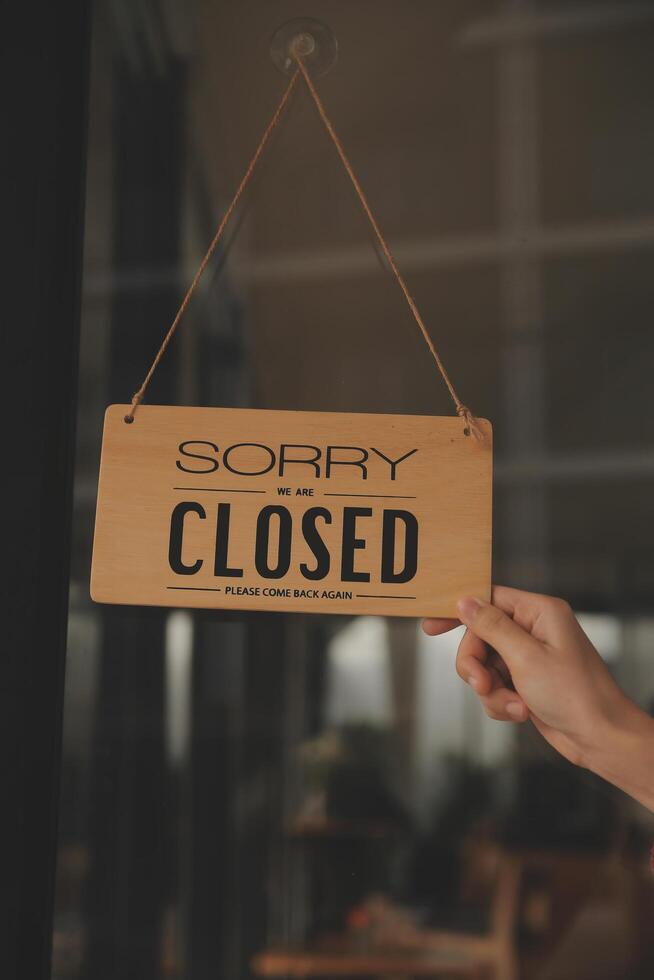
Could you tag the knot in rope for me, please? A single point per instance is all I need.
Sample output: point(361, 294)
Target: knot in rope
point(472, 427)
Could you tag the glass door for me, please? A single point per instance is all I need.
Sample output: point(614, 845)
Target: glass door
point(240, 792)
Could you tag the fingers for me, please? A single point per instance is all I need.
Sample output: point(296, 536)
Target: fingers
point(492, 625)
point(505, 705)
point(480, 667)
point(471, 663)
point(509, 599)
point(434, 627)
point(547, 618)
point(523, 607)
point(488, 677)
point(540, 615)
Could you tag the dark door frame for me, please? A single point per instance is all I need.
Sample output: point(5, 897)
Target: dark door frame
point(43, 97)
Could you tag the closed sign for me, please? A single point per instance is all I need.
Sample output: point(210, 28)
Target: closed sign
point(292, 511)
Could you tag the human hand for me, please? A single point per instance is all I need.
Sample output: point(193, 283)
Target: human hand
point(527, 658)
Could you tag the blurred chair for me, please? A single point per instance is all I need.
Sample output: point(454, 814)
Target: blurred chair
point(397, 965)
point(486, 867)
point(410, 951)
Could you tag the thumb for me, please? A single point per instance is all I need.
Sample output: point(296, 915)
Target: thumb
point(490, 624)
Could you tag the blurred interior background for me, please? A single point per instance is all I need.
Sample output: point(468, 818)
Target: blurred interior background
point(242, 791)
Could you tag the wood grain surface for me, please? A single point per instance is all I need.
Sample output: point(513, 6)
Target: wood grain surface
point(292, 511)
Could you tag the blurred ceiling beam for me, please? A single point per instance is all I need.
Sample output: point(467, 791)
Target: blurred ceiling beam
point(563, 467)
point(351, 261)
point(536, 25)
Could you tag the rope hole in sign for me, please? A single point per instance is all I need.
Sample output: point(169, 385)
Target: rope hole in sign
point(303, 48)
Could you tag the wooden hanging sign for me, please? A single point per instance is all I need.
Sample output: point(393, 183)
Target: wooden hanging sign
point(292, 511)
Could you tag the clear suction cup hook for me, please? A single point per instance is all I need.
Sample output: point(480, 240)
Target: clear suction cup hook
point(312, 40)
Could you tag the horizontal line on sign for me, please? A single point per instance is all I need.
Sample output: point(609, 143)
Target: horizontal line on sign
point(363, 595)
point(382, 496)
point(193, 588)
point(218, 490)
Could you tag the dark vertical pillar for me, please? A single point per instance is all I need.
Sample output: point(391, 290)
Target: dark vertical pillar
point(262, 768)
point(43, 89)
point(129, 824)
point(236, 786)
point(149, 141)
point(216, 751)
point(132, 824)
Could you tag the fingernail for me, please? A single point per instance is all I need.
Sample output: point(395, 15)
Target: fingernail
point(515, 709)
point(468, 607)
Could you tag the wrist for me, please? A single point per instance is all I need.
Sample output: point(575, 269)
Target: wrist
point(622, 753)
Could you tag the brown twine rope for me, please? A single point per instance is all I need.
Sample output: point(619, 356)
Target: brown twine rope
point(471, 423)
point(462, 410)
